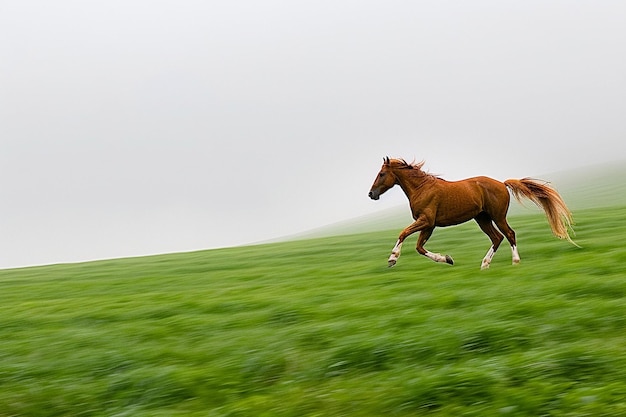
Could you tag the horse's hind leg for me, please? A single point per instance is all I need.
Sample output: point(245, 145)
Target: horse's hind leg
point(510, 236)
point(486, 225)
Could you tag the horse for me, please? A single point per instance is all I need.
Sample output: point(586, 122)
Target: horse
point(435, 202)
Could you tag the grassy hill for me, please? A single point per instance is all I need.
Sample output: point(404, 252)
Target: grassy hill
point(322, 327)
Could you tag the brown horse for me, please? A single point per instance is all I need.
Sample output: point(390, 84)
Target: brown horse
point(437, 202)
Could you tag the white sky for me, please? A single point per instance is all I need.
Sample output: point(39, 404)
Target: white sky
point(142, 127)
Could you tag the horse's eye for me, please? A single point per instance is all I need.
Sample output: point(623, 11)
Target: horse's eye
point(382, 174)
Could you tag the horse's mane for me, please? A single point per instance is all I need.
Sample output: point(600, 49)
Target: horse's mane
point(415, 167)
point(402, 164)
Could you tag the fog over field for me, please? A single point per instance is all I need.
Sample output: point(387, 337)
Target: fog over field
point(132, 128)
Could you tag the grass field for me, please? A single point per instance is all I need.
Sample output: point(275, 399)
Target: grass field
point(323, 328)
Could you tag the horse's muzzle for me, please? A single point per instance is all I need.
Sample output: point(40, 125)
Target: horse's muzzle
point(374, 195)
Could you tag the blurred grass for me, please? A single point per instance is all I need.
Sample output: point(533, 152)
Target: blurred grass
point(323, 327)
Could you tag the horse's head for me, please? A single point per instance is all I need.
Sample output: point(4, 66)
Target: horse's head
point(384, 180)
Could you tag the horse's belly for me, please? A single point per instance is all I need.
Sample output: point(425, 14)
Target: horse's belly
point(456, 220)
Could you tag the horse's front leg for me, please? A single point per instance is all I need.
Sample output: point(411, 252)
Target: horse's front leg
point(437, 257)
point(416, 226)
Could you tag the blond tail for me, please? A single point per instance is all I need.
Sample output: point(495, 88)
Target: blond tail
point(546, 197)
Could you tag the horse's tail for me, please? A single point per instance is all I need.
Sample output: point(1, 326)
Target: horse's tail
point(546, 197)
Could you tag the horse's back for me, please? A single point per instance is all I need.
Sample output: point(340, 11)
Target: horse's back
point(488, 184)
point(479, 185)
point(491, 194)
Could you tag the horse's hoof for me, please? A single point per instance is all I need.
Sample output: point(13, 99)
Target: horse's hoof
point(391, 263)
point(449, 260)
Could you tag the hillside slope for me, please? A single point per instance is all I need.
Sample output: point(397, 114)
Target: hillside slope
point(323, 327)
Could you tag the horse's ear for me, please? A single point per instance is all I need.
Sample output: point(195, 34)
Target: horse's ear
point(386, 160)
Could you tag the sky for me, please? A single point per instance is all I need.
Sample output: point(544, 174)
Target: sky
point(142, 127)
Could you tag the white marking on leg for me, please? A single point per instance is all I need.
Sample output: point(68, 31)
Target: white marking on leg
point(487, 259)
point(437, 257)
point(516, 258)
point(395, 253)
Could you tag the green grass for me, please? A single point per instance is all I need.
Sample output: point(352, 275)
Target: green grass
point(323, 328)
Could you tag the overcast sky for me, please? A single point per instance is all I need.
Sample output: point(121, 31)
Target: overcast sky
point(142, 127)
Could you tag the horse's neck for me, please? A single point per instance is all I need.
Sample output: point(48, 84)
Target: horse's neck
point(411, 182)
